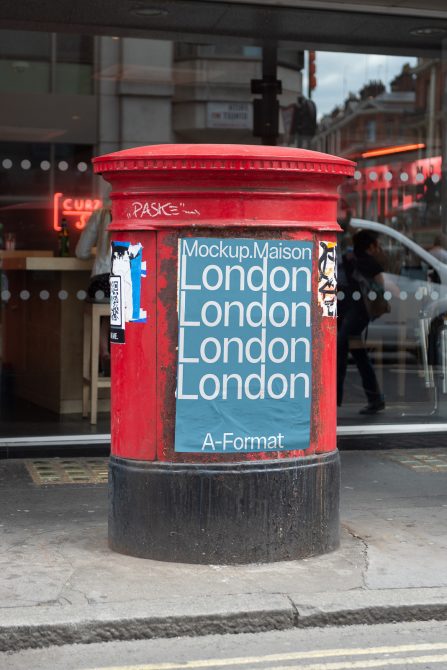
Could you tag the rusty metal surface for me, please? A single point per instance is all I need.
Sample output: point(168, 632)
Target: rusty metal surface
point(223, 513)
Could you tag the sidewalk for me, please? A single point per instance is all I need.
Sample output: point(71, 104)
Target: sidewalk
point(59, 583)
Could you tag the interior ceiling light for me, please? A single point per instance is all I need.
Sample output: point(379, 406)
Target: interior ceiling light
point(150, 11)
point(429, 31)
point(386, 151)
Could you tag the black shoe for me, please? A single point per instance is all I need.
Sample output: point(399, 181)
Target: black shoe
point(373, 407)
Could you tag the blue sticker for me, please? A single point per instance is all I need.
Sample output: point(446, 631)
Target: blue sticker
point(244, 350)
point(128, 268)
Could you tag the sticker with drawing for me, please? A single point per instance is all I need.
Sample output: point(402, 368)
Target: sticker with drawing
point(327, 278)
point(128, 268)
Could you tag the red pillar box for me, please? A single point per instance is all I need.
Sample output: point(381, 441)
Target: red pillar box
point(223, 331)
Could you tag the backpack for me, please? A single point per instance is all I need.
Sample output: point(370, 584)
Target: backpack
point(375, 306)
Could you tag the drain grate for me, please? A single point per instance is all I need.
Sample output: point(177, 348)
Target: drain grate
point(429, 460)
point(45, 471)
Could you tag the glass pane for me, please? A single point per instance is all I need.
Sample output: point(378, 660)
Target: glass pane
point(71, 97)
point(391, 342)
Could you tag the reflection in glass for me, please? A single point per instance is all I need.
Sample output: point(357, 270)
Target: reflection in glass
point(395, 132)
point(94, 95)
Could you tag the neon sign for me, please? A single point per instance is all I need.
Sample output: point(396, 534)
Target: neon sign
point(76, 209)
point(387, 151)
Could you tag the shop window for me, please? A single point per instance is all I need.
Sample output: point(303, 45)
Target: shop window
point(144, 92)
point(31, 173)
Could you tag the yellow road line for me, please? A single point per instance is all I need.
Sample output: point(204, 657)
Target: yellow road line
point(405, 661)
point(322, 653)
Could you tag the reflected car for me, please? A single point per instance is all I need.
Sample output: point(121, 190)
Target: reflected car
point(421, 279)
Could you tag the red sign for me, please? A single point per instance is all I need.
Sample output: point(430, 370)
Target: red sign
point(76, 209)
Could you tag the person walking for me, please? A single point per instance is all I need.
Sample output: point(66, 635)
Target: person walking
point(361, 268)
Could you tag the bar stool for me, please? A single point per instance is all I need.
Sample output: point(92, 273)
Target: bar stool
point(91, 381)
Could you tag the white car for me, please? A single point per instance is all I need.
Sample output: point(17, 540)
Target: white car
point(421, 279)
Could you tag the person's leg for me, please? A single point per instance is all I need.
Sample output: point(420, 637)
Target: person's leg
point(368, 377)
point(342, 354)
point(364, 365)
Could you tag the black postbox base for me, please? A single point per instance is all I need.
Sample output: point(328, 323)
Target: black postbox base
point(256, 511)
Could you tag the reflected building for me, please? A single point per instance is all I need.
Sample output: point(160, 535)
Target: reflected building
point(395, 136)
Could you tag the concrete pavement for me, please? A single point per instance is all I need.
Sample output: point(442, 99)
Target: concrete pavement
point(59, 582)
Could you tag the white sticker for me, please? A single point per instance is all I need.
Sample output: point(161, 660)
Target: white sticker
point(327, 278)
point(128, 268)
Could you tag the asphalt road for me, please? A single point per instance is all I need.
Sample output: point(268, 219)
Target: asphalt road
point(397, 646)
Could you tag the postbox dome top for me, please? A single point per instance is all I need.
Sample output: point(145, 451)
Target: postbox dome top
point(221, 157)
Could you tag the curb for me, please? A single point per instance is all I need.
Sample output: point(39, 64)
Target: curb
point(16, 638)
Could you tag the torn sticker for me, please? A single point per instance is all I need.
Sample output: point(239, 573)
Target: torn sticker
point(128, 268)
point(327, 278)
point(116, 310)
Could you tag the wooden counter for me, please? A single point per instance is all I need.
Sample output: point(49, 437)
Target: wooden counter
point(23, 253)
point(42, 333)
point(57, 264)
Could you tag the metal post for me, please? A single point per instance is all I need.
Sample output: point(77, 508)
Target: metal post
point(423, 334)
point(266, 109)
point(269, 69)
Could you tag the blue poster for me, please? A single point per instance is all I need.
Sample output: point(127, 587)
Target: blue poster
point(244, 375)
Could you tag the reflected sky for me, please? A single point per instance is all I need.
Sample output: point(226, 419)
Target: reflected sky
point(338, 74)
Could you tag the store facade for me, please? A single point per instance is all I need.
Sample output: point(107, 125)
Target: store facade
point(75, 84)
